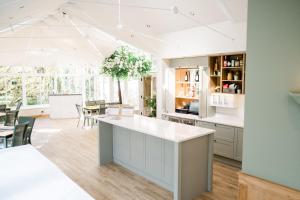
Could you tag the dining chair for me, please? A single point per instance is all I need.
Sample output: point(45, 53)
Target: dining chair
point(82, 113)
point(19, 134)
point(11, 118)
point(101, 107)
point(30, 121)
point(19, 104)
point(3, 108)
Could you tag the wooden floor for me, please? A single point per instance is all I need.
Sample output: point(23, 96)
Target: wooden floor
point(74, 151)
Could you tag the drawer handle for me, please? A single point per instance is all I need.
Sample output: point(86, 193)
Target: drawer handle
point(214, 140)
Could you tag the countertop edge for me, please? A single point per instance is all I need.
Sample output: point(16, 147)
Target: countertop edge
point(208, 132)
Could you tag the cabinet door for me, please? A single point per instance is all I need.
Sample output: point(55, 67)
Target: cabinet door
point(223, 148)
point(137, 145)
point(121, 144)
point(154, 156)
point(224, 133)
point(239, 144)
point(206, 125)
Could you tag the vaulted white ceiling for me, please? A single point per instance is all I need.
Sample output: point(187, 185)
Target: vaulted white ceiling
point(86, 30)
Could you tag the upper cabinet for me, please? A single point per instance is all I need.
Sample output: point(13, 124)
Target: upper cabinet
point(187, 86)
point(227, 73)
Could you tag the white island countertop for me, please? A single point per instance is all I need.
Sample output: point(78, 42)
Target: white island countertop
point(159, 128)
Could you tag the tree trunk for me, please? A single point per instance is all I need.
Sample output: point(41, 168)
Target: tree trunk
point(119, 92)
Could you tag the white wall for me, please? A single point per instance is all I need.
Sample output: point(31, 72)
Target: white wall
point(203, 41)
point(272, 118)
point(238, 111)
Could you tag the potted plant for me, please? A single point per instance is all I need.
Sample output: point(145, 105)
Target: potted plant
point(125, 63)
point(151, 103)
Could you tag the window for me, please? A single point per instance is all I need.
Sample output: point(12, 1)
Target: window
point(10, 90)
point(129, 90)
point(34, 84)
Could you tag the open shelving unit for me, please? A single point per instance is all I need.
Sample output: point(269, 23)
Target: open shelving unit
point(187, 87)
point(226, 73)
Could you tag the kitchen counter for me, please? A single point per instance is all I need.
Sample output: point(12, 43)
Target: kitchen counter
point(218, 119)
point(178, 157)
point(159, 128)
point(225, 120)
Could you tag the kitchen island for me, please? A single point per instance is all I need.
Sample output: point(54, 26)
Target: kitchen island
point(175, 156)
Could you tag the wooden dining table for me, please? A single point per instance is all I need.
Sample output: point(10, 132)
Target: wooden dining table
point(92, 108)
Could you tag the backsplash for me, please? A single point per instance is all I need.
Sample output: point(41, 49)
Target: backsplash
point(234, 112)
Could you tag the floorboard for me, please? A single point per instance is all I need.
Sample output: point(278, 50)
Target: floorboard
point(74, 151)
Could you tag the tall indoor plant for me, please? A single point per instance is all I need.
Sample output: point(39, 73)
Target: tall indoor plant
point(124, 63)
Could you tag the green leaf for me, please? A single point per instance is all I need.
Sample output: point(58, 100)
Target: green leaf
point(124, 63)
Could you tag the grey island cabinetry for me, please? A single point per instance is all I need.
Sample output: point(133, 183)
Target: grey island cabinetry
point(175, 156)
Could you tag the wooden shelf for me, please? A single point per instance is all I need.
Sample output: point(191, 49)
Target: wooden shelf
point(187, 82)
point(187, 97)
point(240, 68)
point(232, 80)
point(184, 90)
point(217, 63)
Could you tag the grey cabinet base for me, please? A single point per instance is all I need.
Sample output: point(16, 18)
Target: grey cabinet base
point(183, 168)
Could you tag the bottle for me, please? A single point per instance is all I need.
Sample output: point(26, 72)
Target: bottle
point(232, 62)
point(216, 69)
point(229, 76)
point(237, 62)
point(197, 76)
point(186, 77)
point(225, 61)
